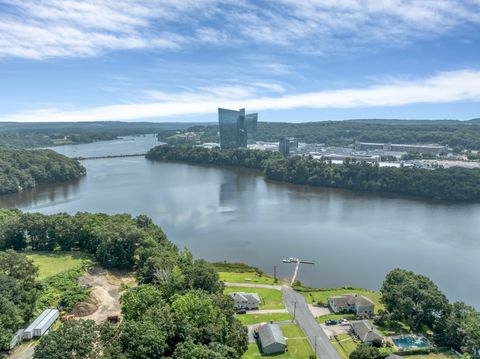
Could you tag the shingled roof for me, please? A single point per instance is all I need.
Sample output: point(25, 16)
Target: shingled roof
point(270, 334)
point(365, 331)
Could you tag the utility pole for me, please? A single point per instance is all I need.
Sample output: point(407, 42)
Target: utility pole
point(275, 274)
point(315, 347)
point(294, 309)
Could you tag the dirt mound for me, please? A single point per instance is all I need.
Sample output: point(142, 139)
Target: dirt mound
point(84, 309)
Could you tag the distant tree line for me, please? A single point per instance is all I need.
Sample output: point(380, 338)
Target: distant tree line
point(452, 184)
point(29, 135)
point(456, 134)
point(23, 169)
point(178, 310)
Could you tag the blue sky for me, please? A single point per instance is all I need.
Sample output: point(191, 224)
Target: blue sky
point(290, 60)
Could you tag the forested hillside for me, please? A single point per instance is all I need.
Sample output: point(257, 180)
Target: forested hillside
point(178, 310)
point(452, 184)
point(456, 134)
point(22, 169)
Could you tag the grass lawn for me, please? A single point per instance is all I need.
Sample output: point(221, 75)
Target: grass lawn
point(270, 298)
point(297, 344)
point(248, 319)
point(392, 328)
point(246, 277)
point(344, 344)
point(51, 263)
point(322, 295)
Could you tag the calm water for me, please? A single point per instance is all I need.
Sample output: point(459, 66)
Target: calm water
point(234, 215)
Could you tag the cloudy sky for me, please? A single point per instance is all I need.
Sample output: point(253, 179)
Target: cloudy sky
point(290, 60)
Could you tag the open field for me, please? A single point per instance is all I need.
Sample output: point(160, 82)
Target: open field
point(51, 263)
point(248, 319)
point(432, 356)
point(245, 277)
point(321, 295)
point(344, 344)
point(270, 298)
point(297, 344)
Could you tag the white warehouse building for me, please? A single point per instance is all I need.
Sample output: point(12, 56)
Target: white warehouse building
point(41, 325)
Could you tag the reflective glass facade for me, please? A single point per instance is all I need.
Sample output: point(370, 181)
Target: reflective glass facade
point(236, 129)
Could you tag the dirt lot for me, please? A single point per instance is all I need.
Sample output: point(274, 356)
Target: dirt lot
point(105, 294)
point(332, 330)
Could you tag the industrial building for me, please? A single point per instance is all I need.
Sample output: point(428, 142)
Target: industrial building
point(236, 129)
point(288, 145)
point(391, 147)
point(41, 325)
point(271, 339)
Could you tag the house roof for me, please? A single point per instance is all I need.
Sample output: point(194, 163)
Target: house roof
point(365, 331)
point(270, 334)
point(351, 299)
point(245, 297)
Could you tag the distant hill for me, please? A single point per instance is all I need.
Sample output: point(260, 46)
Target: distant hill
point(474, 120)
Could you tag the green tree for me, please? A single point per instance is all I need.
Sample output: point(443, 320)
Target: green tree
point(74, 339)
point(413, 298)
point(367, 352)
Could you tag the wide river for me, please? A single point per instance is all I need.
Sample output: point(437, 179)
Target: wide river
point(235, 215)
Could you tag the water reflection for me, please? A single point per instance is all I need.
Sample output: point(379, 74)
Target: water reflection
point(43, 195)
point(232, 214)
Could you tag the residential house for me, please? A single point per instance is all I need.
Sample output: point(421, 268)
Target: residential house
point(351, 303)
point(271, 339)
point(366, 332)
point(247, 301)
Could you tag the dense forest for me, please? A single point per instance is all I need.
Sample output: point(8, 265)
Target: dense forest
point(178, 310)
point(22, 169)
point(29, 135)
point(452, 184)
point(456, 134)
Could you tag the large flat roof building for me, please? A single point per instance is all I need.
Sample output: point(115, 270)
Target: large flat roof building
point(395, 147)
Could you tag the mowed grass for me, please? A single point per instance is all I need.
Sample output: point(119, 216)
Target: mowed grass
point(322, 295)
point(51, 263)
point(344, 344)
point(298, 346)
point(248, 319)
point(245, 277)
point(270, 298)
point(432, 356)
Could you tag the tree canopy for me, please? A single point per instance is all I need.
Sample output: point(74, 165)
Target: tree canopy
point(23, 169)
point(449, 184)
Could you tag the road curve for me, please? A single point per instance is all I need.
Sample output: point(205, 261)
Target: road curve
point(305, 319)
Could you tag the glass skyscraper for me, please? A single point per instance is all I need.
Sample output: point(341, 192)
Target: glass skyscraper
point(236, 129)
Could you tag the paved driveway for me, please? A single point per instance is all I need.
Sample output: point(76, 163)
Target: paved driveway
point(305, 319)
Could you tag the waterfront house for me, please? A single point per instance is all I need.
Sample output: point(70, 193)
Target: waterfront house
point(351, 303)
point(247, 301)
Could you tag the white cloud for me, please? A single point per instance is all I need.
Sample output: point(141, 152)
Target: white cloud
point(445, 87)
point(65, 28)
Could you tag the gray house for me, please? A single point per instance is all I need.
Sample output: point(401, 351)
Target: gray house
point(366, 332)
point(246, 301)
point(271, 339)
point(351, 303)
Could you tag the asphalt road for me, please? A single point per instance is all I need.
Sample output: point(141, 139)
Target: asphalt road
point(305, 319)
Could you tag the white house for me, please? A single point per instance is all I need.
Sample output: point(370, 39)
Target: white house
point(271, 339)
point(351, 303)
point(245, 301)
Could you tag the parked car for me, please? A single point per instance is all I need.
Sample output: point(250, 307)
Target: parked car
point(241, 311)
point(331, 322)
